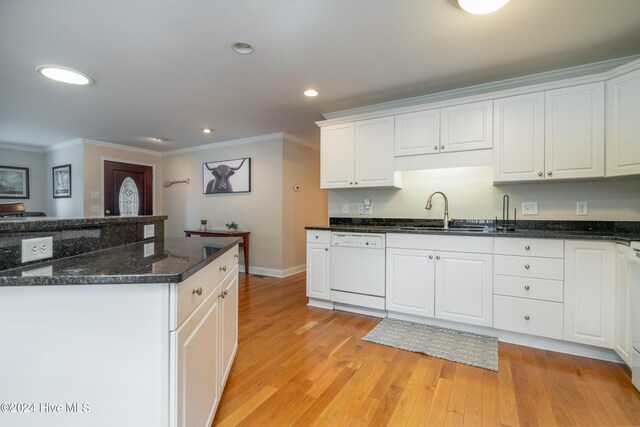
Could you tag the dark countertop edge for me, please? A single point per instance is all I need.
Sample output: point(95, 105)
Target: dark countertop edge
point(532, 234)
point(48, 223)
point(110, 279)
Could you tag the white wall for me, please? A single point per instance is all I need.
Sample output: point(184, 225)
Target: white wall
point(472, 195)
point(259, 211)
point(72, 207)
point(35, 160)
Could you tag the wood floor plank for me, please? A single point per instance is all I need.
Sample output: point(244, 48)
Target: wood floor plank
point(303, 366)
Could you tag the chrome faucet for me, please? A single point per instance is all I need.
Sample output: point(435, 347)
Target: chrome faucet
point(429, 205)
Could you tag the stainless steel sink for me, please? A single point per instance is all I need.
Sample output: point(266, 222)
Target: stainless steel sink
point(462, 228)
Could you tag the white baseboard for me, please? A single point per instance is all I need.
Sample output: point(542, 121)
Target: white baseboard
point(319, 303)
point(518, 338)
point(274, 272)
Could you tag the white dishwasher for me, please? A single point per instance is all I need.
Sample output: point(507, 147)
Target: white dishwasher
point(358, 269)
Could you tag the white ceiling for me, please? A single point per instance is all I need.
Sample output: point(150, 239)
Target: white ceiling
point(165, 68)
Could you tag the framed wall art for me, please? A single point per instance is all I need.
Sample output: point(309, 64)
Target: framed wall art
point(61, 181)
point(227, 176)
point(14, 182)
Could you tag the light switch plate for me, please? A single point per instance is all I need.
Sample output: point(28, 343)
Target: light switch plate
point(95, 194)
point(345, 208)
point(529, 208)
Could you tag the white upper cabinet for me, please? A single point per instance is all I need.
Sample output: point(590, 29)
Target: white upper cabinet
point(417, 133)
point(358, 154)
point(557, 134)
point(466, 127)
point(337, 148)
point(623, 124)
point(519, 137)
point(574, 131)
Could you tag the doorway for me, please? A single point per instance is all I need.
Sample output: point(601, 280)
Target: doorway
point(128, 189)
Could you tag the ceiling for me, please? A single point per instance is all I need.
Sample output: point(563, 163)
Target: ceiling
point(165, 68)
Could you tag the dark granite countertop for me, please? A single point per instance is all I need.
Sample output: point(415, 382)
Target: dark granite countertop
point(167, 260)
point(619, 232)
point(17, 224)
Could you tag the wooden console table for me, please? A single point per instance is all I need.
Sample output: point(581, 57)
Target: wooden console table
point(224, 233)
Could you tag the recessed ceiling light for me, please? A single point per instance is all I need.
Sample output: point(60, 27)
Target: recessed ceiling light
point(481, 7)
point(207, 130)
point(64, 75)
point(161, 140)
point(311, 92)
point(242, 48)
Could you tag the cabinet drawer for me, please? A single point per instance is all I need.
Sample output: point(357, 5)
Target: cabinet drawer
point(548, 248)
point(191, 293)
point(441, 243)
point(541, 268)
point(318, 236)
point(525, 287)
point(528, 316)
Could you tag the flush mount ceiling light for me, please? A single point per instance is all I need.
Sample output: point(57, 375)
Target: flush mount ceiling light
point(481, 7)
point(242, 48)
point(64, 75)
point(161, 140)
point(207, 131)
point(311, 92)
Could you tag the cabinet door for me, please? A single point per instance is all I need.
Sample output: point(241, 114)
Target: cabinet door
point(196, 360)
point(518, 152)
point(228, 324)
point(589, 293)
point(374, 153)
point(336, 156)
point(622, 343)
point(464, 290)
point(410, 281)
point(623, 126)
point(466, 127)
point(574, 137)
point(318, 271)
point(417, 133)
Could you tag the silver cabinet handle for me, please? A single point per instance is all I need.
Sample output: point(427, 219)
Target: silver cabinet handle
point(437, 256)
point(526, 287)
point(549, 173)
point(430, 256)
point(350, 183)
point(526, 317)
point(326, 249)
point(435, 147)
point(223, 294)
point(223, 268)
point(539, 173)
point(317, 237)
point(236, 256)
point(442, 147)
point(197, 291)
point(526, 266)
point(526, 248)
point(356, 182)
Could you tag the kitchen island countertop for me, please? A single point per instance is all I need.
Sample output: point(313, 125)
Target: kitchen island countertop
point(160, 260)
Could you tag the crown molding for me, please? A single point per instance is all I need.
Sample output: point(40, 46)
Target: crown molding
point(294, 139)
point(579, 74)
point(121, 147)
point(31, 148)
point(63, 145)
point(223, 144)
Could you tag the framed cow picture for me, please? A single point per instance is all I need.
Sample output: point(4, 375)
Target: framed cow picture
point(227, 176)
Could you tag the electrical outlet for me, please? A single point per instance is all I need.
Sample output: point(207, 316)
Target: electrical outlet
point(345, 208)
point(35, 249)
point(529, 208)
point(41, 271)
point(582, 208)
point(149, 231)
point(368, 210)
point(360, 208)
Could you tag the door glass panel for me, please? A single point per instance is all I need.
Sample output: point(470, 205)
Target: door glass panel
point(129, 198)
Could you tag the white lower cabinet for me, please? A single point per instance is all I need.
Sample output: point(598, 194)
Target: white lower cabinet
point(464, 287)
point(589, 292)
point(203, 346)
point(427, 277)
point(528, 316)
point(622, 343)
point(410, 281)
point(318, 265)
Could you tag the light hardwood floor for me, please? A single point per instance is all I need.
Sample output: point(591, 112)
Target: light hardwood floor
point(298, 365)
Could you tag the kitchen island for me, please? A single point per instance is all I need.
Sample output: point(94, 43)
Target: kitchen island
point(137, 335)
